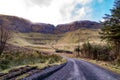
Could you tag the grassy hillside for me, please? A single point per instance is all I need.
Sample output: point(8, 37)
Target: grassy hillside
point(81, 35)
point(43, 42)
point(26, 39)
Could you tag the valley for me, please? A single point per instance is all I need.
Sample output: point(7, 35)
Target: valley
point(44, 49)
point(59, 39)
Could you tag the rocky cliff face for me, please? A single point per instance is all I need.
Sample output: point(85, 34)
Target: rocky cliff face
point(15, 23)
point(62, 28)
point(43, 28)
point(23, 25)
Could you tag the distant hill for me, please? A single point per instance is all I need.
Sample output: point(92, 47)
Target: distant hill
point(22, 25)
point(16, 23)
point(81, 35)
point(43, 28)
point(32, 38)
point(63, 28)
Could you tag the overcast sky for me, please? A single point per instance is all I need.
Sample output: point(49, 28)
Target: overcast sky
point(56, 11)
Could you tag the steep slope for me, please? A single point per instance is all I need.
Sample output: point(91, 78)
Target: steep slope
point(22, 25)
point(43, 28)
point(16, 23)
point(33, 38)
point(27, 33)
point(81, 35)
point(62, 28)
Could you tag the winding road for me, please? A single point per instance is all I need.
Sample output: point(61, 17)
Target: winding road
point(82, 70)
point(76, 69)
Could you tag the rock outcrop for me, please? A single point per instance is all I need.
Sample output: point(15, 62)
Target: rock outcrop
point(22, 25)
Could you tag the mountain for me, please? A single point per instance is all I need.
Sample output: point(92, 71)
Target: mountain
point(22, 25)
point(16, 23)
point(43, 28)
point(80, 35)
point(63, 28)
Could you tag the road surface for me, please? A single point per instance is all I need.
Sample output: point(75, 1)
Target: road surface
point(82, 70)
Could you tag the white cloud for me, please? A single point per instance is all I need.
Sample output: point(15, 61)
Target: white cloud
point(39, 2)
point(12, 8)
point(48, 11)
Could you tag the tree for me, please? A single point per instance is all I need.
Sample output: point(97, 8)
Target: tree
point(77, 50)
point(5, 35)
point(111, 30)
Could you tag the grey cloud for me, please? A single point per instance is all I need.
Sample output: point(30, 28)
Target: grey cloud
point(63, 11)
point(41, 2)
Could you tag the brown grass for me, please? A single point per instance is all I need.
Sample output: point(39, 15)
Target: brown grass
point(105, 64)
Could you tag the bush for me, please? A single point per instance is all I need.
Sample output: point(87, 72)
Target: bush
point(55, 58)
point(77, 50)
point(4, 64)
point(95, 51)
point(10, 59)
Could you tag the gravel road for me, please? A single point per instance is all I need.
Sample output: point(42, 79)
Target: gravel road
point(82, 70)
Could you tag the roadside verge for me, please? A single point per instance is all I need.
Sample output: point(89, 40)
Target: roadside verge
point(45, 73)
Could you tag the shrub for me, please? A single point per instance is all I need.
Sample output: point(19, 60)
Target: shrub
point(95, 51)
point(55, 58)
point(77, 50)
point(18, 58)
point(4, 64)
